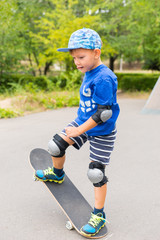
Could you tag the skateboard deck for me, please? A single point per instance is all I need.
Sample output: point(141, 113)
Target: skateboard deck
point(68, 197)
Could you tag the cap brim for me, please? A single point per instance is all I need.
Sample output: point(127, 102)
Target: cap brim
point(63, 49)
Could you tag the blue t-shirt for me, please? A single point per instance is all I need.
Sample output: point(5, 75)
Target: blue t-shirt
point(99, 86)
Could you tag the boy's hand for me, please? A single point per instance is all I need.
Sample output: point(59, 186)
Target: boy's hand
point(76, 131)
point(72, 131)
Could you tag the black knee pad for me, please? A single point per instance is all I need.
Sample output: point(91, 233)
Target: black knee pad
point(96, 174)
point(57, 146)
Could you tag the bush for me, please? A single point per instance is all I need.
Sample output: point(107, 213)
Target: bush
point(120, 77)
point(41, 82)
point(62, 79)
point(69, 80)
point(10, 82)
point(53, 79)
point(7, 113)
point(75, 79)
point(136, 82)
point(14, 82)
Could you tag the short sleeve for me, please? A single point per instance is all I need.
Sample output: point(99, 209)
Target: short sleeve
point(103, 92)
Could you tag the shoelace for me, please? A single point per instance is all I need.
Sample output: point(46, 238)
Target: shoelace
point(48, 171)
point(95, 220)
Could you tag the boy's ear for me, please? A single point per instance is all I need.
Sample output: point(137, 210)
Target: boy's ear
point(97, 52)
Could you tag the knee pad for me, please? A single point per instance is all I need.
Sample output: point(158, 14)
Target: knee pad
point(96, 174)
point(57, 146)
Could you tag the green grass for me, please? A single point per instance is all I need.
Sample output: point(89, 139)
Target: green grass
point(22, 102)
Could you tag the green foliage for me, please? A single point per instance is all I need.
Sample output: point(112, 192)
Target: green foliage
point(11, 44)
point(138, 82)
point(145, 27)
point(15, 83)
point(7, 113)
point(152, 49)
point(32, 94)
point(55, 29)
point(31, 32)
point(70, 99)
point(75, 79)
point(69, 80)
point(121, 76)
point(40, 101)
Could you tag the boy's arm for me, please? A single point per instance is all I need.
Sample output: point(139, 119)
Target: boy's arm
point(102, 114)
point(76, 131)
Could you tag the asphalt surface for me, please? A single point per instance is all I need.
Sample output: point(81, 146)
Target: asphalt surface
point(27, 210)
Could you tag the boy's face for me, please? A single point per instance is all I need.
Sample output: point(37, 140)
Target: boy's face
point(86, 59)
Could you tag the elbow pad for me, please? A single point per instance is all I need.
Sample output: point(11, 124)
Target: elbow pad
point(102, 114)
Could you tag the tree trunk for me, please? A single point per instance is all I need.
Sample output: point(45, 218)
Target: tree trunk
point(111, 62)
point(37, 62)
point(31, 64)
point(47, 66)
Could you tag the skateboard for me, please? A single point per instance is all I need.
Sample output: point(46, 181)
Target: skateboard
point(68, 197)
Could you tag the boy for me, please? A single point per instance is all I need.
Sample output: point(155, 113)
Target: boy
point(95, 121)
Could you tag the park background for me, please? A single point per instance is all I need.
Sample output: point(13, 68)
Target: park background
point(35, 77)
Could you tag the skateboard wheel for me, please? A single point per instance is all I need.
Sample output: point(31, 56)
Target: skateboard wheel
point(69, 225)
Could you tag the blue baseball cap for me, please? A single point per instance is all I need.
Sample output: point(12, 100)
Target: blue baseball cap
point(83, 38)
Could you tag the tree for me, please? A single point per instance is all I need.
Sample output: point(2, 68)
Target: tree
point(55, 28)
point(148, 26)
point(11, 47)
point(130, 28)
point(143, 27)
point(113, 27)
point(33, 11)
point(33, 30)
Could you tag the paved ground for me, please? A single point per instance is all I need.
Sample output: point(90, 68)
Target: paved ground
point(27, 210)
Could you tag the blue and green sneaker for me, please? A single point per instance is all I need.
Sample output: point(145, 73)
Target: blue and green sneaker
point(96, 222)
point(49, 175)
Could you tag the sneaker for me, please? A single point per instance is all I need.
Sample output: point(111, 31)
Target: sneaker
point(96, 222)
point(48, 175)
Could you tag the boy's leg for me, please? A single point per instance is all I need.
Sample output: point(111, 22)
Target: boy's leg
point(100, 196)
point(55, 174)
point(57, 147)
point(101, 148)
point(100, 151)
point(58, 162)
point(96, 174)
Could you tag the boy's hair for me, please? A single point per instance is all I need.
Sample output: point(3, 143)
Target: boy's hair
point(83, 38)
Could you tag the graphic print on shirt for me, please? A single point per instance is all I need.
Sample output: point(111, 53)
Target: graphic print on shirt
point(86, 92)
point(89, 104)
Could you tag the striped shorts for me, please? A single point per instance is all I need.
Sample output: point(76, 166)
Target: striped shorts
point(101, 147)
